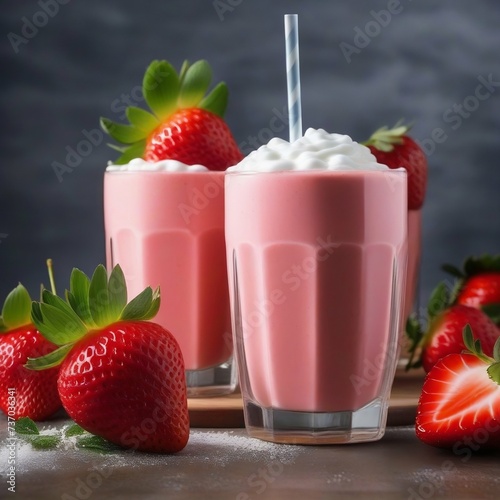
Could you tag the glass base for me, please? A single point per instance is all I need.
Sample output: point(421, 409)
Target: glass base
point(296, 427)
point(214, 381)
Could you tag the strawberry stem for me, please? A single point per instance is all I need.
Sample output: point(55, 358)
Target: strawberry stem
point(51, 276)
point(384, 138)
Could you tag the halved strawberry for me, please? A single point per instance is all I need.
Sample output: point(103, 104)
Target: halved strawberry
point(460, 400)
point(121, 377)
point(24, 393)
point(445, 324)
point(186, 125)
point(396, 149)
point(478, 282)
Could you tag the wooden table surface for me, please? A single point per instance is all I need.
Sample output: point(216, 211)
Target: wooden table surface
point(225, 463)
point(222, 462)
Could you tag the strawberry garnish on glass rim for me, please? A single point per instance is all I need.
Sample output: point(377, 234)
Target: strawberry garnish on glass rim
point(185, 124)
point(121, 377)
point(460, 401)
point(396, 149)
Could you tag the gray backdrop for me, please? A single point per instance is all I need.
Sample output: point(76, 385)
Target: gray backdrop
point(364, 64)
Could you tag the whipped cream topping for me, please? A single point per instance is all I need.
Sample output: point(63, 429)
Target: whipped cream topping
point(316, 150)
point(140, 165)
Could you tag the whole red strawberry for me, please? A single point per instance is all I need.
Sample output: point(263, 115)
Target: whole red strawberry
point(24, 393)
point(186, 125)
point(121, 377)
point(394, 148)
point(445, 327)
point(459, 406)
point(478, 282)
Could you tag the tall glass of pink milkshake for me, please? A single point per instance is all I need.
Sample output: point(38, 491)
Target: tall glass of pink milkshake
point(164, 225)
point(316, 237)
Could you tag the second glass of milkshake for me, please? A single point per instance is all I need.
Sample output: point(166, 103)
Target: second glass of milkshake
point(164, 225)
point(316, 238)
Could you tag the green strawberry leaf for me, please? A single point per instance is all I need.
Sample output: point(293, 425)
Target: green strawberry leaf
point(26, 426)
point(54, 358)
point(496, 350)
point(142, 307)
point(216, 101)
point(134, 151)
point(453, 270)
point(90, 304)
point(28, 431)
point(117, 292)
point(99, 297)
point(195, 83)
point(415, 335)
point(141, 119)
point(161, 88)
point(56, 324)
point(53, 300)
point(96, 443)
point(384, 138)
point(438, 301)
point(116, 147)
point(16, 311)
point(127, 134)
point(78, 296)
point(183, 71)
point(483, 263)
point(74, 430)
point(45, 442)
point(494, 372)
point(468, 338)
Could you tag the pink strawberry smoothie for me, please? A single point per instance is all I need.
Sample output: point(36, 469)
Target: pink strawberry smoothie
point(317, 265)
point(167, 229)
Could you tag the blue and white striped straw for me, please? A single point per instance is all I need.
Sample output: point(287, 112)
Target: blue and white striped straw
point(293, 76)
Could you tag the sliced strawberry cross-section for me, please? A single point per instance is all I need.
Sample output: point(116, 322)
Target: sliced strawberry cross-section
point(460, 400)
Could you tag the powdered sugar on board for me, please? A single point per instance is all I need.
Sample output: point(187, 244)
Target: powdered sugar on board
point(210, 448)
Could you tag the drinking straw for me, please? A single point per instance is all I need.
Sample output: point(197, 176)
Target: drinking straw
point(293, 76)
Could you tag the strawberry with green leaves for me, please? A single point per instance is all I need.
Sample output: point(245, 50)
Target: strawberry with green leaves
point(121, 377)
point(24, 393)
point(185, 124)
point(445, 324)
point(460, 401)
point(478, 282)
point(396, 149)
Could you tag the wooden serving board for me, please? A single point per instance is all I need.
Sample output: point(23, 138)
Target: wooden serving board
point(227, 411)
